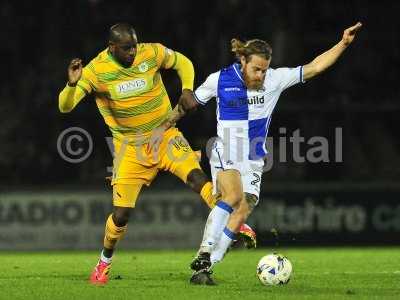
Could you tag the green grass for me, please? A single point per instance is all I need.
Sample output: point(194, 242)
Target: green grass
point(319, 273)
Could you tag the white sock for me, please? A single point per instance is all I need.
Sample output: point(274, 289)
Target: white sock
point(218, 253)
point(107, 260)
point(216, 222)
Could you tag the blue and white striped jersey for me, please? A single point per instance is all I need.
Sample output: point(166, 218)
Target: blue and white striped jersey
point(244, 114)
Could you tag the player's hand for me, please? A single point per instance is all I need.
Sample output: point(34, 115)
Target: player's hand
point(187, 101)
point(156, 139)
point(350, 33)
point(74, 71)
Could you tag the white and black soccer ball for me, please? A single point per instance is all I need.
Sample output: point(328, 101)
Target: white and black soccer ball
point(274, 269)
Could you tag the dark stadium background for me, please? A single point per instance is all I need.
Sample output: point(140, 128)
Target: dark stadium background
point(360, 94)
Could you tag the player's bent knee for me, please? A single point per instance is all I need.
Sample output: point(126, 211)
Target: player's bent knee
point(121, 215)
point(196, 179)
point(124, 199)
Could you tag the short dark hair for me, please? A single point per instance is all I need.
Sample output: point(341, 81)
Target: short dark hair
point(120, 29)
point(255, 46)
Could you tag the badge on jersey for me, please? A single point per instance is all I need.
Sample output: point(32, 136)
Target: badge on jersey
point(143, 67)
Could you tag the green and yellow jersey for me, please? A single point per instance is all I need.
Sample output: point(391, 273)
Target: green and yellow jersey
point(133, 101)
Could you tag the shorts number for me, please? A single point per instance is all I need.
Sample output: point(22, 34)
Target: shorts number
point(256, 180)
point(181, 144)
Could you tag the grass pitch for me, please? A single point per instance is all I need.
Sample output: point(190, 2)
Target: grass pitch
point(319, 273)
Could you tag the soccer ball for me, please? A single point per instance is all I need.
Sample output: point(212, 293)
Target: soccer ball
point(274, 269)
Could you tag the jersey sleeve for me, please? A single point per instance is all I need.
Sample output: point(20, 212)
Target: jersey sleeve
point(289, 76)
point(208, 89)
point(165, 57)
point(88, 81)
point(69, 98)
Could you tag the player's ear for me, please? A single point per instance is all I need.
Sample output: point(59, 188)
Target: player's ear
point(243, 60)
point(111, 47)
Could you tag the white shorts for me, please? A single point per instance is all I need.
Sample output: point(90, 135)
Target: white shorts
point(250, 170)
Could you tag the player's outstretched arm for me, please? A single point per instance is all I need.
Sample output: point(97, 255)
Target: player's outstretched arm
point(70, 96)
point(328, 58)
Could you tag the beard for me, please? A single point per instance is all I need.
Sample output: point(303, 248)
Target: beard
point(252, 84)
